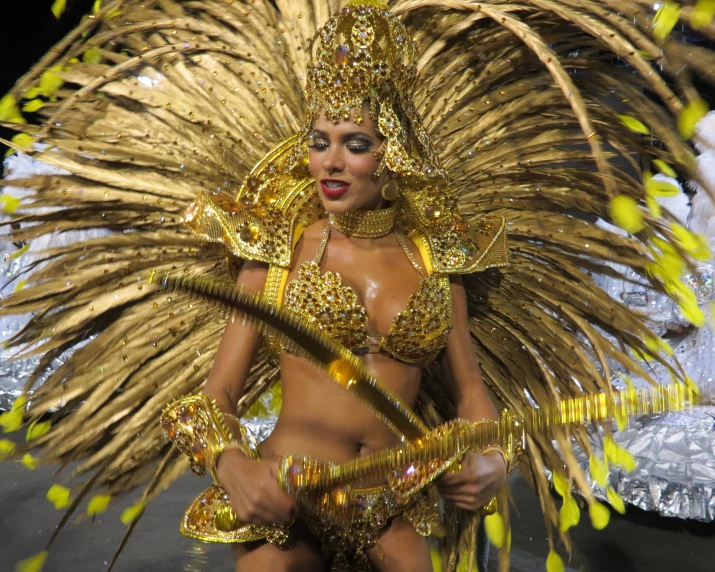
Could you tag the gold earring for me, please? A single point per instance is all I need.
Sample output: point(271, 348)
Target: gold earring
point(390, 191)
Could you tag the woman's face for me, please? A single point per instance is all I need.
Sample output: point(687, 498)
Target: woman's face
point(342, 160)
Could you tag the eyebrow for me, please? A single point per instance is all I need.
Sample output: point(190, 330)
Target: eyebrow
point(345, 136)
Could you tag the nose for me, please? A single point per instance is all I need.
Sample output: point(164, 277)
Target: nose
point(333, 161)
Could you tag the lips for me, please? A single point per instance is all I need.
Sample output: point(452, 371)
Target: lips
point(333, 189)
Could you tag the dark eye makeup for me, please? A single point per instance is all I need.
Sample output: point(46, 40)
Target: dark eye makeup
point(355, 143)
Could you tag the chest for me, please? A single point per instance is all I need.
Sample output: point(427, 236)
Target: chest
point(373, 286)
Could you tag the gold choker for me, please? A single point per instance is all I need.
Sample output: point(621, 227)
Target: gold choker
point(365, 224)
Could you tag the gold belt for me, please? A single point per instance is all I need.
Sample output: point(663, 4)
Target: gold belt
point(211, 519)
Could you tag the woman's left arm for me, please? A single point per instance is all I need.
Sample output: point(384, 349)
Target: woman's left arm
point(481, 476)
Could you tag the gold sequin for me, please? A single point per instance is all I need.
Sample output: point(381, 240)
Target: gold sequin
point(418, 333)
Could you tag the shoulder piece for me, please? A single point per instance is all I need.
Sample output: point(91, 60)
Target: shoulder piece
point(450, 243)
point(260, 223)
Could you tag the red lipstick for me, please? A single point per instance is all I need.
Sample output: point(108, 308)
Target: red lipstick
point(333, 189)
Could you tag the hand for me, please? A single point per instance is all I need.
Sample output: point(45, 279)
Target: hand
point(253, 489)
point(477, 483)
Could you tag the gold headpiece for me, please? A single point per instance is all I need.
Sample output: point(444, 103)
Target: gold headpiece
point(365, 54)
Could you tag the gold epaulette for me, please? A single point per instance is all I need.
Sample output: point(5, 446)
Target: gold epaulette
point(260, 222)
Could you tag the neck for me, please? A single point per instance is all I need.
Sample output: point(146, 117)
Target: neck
point(365, 224)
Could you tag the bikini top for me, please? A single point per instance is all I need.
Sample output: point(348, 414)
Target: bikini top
point(418, 333)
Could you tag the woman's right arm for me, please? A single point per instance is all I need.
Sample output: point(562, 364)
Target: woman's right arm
point(238, 347)
point(252, 485)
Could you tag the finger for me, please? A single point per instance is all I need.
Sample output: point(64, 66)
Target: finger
point(471, 487)
point(461, 497)
point(269, 515)
point(466, 503)
point(452, 479)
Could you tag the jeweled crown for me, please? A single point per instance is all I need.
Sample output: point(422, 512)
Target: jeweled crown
point(362, 53)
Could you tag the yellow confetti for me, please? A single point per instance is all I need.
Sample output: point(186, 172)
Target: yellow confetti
point(664, 168)
point(50, 82)
point(11, 420)
point(625, 213)
point(37, 430)
point(665, 19)
point(569, 515)
point(34, 105)
point(692, 312)
point(32, 564)
point(22, 140)
point(59, 496)
point(20, 285)
point(98, 504)
point(688, 119)
point(654, 207)
point(19, 403)
point(702, 14)
point(621, 420)
point(634, 124)
point(92, 56)
point(19, 252)
point(687, 302)
point(97, 6)
point(554, 563)
point(58, 7)
point(9, 204)
point(436, 558)
point(598, 470)
point(560, 484)
point(132, 513)
point(656, 344)
point(617, 455)
point(494, 527)
point(600, 516)
point(659, 188)
point(7, 448)
point(690, 384)
point(9, 110)
point(616, 501)
point(696, 245)
point(668, 264)
point(29, 461)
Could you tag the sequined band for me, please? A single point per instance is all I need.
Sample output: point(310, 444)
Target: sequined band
point(198, 429)
point(365, 224)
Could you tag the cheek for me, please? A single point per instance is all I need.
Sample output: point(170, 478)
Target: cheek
point(362, 167)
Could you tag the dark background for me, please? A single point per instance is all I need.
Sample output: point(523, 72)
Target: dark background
point(28, 29)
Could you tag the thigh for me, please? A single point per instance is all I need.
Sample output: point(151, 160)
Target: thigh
point(401, 549)
point(302, 554)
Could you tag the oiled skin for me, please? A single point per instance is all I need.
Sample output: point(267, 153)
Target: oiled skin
point(317, 417)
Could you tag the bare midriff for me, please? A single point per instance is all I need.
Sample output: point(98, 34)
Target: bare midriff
point(320, 419)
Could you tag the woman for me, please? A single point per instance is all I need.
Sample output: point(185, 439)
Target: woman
point(357, 276)
point(162, 101)
point(320, 419)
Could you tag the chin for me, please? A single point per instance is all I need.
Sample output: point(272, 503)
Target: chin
point(337, 207)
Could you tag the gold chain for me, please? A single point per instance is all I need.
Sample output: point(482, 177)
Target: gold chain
point(365, 224)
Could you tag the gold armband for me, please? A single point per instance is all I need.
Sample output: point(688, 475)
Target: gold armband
point(198, 428)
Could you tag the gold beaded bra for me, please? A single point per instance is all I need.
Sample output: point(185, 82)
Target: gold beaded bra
point(418, 333)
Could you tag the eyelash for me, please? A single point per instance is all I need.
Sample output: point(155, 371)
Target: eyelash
point(356, 149)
